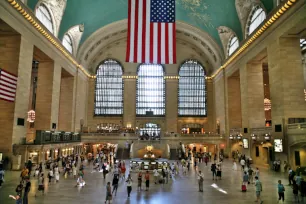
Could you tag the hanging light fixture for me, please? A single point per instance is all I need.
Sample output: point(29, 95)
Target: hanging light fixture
point(267, 104)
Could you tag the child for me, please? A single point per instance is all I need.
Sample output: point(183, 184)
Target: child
point(36, 172)
point(17, 198)
point(281, 189)
point(80, 182)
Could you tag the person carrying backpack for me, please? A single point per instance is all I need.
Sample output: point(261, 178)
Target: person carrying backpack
point(213, 170)
point(281, 190)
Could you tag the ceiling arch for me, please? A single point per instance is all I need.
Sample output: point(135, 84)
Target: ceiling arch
point(112, 33)
point(206, 15)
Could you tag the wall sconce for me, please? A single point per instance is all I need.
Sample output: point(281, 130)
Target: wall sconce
point(253, 136)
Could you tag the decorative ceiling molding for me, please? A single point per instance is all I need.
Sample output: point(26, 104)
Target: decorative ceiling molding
point(225, 34)
point(76, 35)
point(112, 32)
point(57, 8)
point(244, 7)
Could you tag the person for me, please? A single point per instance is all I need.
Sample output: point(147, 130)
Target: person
point(234, 166)
point(219, 171)
point(115, 183)
point(245, 178)
point(242, 163)
point(17, 198)
point(26, 190)
point(281, 190)
point(250, 172)
point(1, 177)
point(213, 170)
point(200, 181)
point(156, 175)
point(298, 180)
point(50, 175)
point(164, 176)
point(29, 166)
point(257, 172)
point(19, 188)
point(123, 170)
point(56, 173)
point(129, 182)
point(295, 189)
point(24, 173)
point(74, 171)
point(258, 189)
point(289, 176)
point(139, 180)
point(80, 182)
point(147, 178)
point(184, 170)
point(108, 193)
point(41, 186)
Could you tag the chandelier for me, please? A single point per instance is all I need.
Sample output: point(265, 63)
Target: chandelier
point(267, 104)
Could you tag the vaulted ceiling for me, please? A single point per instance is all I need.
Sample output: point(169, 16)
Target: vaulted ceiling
point(207, 15)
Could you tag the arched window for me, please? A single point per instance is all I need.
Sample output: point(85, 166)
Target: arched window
point(43, 14)
point(150, 100)
point(257, 16)
point(109, 89)
point(233, 45)
point(192, 94)
point(67, 42)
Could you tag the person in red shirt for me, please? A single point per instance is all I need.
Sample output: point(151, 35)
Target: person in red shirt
point(147, 178)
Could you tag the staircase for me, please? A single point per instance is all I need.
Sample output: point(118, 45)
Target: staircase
point(123, 153)
point(173, 154)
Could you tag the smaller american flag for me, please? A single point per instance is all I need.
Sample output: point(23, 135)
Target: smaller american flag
point(8, 86)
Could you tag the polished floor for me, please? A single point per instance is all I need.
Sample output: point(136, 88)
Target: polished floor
point(181, 189)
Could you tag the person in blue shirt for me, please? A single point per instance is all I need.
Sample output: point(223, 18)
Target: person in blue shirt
point(281, 189)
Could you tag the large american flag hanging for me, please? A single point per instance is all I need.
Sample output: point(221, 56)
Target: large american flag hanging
point(8, 86)
point(151, 32)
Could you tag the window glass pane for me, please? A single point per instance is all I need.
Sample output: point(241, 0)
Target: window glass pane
point(67, 42)
point(150, 90)
point(234, 44)
point(44, 16)
point(109, 89)
point(192, 90)
point(257, 18)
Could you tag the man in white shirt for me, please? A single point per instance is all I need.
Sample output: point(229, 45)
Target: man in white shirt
point(242, 162)
point(290, 176)
point(200, 180)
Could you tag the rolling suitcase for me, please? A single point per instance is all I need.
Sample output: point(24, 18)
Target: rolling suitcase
point(243, 188)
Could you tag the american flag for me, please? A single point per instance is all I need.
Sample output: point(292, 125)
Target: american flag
point(151, 32)
point(8, 86)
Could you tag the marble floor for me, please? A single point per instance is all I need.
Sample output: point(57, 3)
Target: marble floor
point(180, 190)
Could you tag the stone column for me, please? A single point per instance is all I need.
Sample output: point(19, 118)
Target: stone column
point(23, 89)
point(66, 107)
point(219, 99)
point(210, 106)
point(129, 104)
point(80, 97)
point(252, 95)
point(286, 80)
point(234, 102)
point(48, 93)
point(171, 105)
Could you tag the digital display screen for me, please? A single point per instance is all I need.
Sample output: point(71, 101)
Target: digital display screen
point(153, 163)
point(278, 145)
point(146, 163)
point(245, 143)
point(146, 167)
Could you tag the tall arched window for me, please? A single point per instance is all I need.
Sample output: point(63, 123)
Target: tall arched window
point(192, 89)
point(150, 90)
point(233, 45)
point(257, 16)
point(67, 42)
point(43, 14)
point(109, 89)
